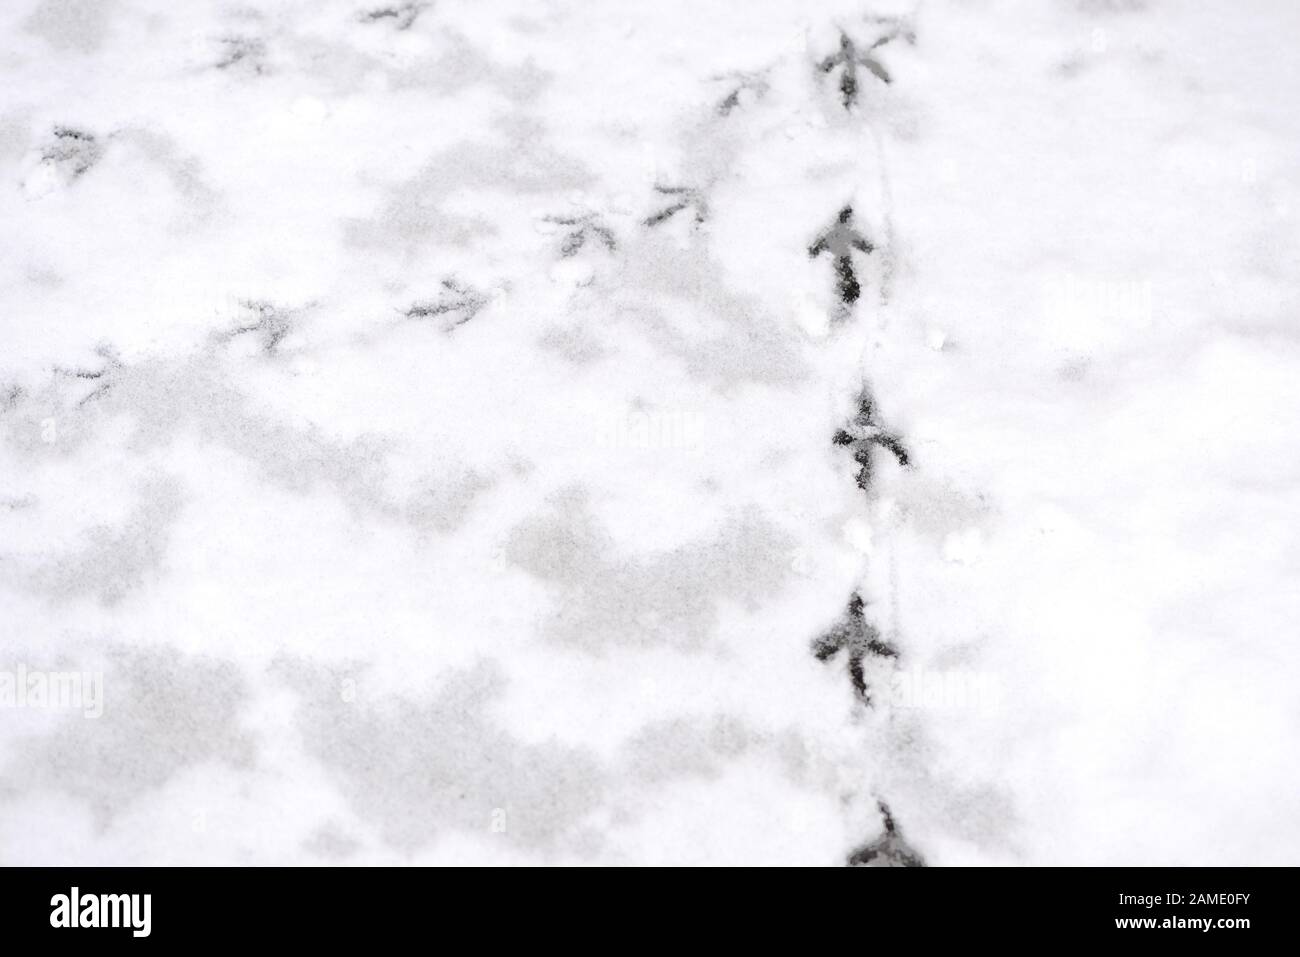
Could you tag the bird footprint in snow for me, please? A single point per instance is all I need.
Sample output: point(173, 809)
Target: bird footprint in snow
point(849, 57)
point(456, 304)
point(858, 639)
point(865, 432)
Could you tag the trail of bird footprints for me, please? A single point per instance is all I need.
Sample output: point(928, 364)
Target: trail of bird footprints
point(853, 637)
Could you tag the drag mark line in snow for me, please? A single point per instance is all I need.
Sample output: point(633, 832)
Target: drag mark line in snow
point(889, 255)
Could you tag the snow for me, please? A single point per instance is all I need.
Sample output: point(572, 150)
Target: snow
point(406, 528)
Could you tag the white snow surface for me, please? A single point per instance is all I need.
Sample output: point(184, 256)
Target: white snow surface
point(532, 576)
